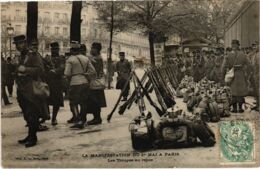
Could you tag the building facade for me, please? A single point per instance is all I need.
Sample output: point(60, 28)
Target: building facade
point(54, 25)
point(244, 25)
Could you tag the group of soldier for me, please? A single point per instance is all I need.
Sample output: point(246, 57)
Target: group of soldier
point(215, 64)
point(78, 70)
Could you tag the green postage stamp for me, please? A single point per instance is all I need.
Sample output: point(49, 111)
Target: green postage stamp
point(237, 142)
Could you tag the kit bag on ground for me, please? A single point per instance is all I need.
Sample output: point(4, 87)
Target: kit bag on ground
point(213, 111)
point(174, 134)
point(204, 133)
point(142, 133)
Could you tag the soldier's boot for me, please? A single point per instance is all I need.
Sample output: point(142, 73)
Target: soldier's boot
point(23, 141)
point(97, 118)
point(234, 108)
point(240, 109)
point(32, 138)
point(54, 115)
point(75, 112)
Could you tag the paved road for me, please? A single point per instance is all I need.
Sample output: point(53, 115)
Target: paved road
point(61, 146)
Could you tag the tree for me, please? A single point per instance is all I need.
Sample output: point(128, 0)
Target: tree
point(32, 21)
point(75, 23)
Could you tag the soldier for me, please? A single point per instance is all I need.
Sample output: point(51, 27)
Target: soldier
point(254, 58)
point(96, 98)
point(78, 68)
point(30, 69)
point(237, 60)
point(10, 78)
point(54, 80)
point(123, 68)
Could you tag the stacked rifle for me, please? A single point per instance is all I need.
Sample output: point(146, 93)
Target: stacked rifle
point(161, 80)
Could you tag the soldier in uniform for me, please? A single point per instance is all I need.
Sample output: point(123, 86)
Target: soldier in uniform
point(254, 58)
point(96, 98)
point(30, 69)
point(237, 60)
point(123, 68)
point(54, 80)
point(76, 69)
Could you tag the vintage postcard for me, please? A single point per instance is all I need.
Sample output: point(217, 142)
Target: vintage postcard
point(130, 84)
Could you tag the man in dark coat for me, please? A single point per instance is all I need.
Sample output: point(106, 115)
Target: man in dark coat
point(123, 68)
point(4, 75)
point(254, 77)
point(10, 76)
point(54, 80)
point(237, 60)
point(30, 69)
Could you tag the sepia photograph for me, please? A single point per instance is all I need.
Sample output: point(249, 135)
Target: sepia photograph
point(130, 84)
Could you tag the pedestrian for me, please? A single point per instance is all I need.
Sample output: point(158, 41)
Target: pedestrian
point(4, 74)
point(54, 80)
point(96, 99)
point(34, 46)
point(10, 76)
point(123, 69)
point(209, 65)
point(78, 70)
point(237, 60)
point(30, 70)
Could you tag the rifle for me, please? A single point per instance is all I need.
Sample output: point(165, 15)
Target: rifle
point(168, 100)
point(158, 110)
point(109, 116)
point(132, 98)
point(157, 92)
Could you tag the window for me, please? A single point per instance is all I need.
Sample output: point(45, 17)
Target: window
point(18, 29)
point(57, 29)
point(65, 17)
point(47, 30)
point(84, 31)
point(56, 15)
point(17, 12)
point(65, 31)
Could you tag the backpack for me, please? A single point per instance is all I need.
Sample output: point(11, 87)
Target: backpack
point(213, 111)
point(172, 133)
point(142, 132)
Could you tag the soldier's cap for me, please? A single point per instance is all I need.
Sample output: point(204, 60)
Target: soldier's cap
point(83, 47)
point(96, 45)
point(74, 44)
point(19, 38)
point(121, 53)
point(34, 42)
point(54, 45)
point(235, 41)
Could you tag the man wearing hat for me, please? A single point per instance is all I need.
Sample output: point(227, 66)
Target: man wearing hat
point(54, 80)
point(79, 71)
point(237, 60)
point(123, 68)
point(96, 99)
point(254, 77)
point(30, 68)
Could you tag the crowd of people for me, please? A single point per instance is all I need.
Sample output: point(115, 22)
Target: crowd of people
point(80, 77)
point(42, 82)
point(215, 64)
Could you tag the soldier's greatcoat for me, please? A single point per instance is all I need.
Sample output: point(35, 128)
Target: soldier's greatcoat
point(241, 66)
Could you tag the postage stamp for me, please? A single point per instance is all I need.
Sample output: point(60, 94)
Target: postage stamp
point(237, 142)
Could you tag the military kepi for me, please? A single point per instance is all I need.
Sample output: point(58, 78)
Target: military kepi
point(235, 41)
point(97, 46)
point(121, 53)
point(19, 38)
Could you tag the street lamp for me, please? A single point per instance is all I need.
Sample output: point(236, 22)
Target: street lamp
point(10, 31)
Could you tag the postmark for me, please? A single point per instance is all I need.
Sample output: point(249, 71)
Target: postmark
point(237, 142)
